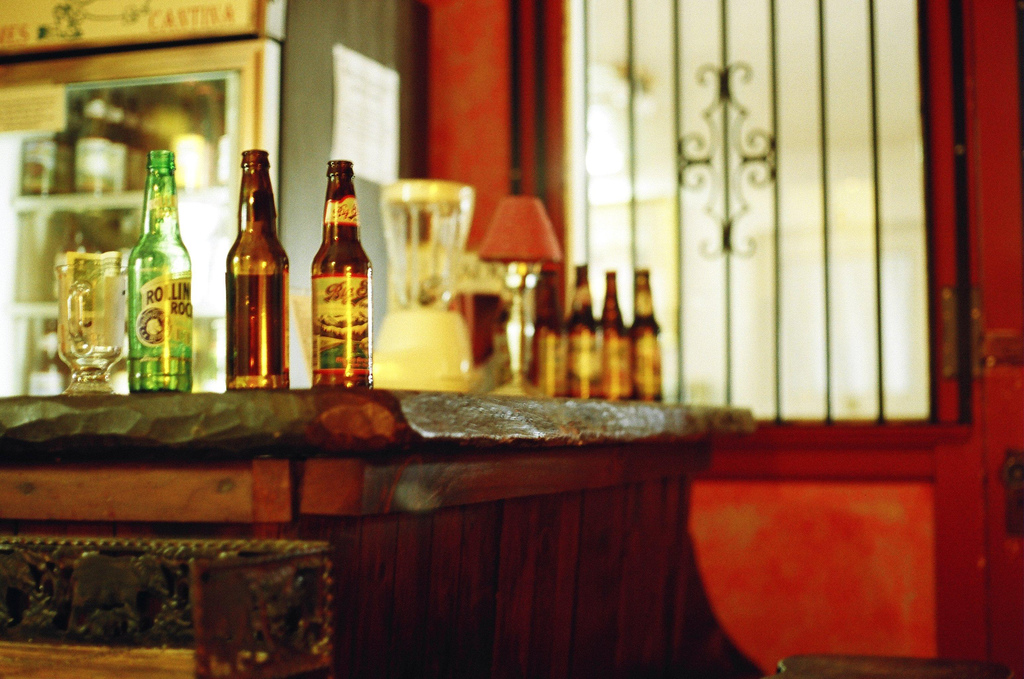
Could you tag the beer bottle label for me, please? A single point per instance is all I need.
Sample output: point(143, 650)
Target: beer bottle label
point(550, 362)
point(647, 371)
point(616, 380)
point(583, 365)
point(341, 324)
point(165, 313)
point(342, 212)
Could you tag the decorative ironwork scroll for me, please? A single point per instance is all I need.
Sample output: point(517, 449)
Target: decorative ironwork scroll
point(727, 158)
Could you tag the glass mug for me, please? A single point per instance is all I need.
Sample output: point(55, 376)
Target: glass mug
point(90, 325)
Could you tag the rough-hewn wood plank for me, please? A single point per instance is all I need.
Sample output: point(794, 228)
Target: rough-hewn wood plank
point(343, 534)
point(46, 661)
point(597, 591)
point(128, 492)
point(327, 422)
point(495, 420)
point(376, 598)
point(840, 666)
point(517, 570)
point(555, 590)
point(478, 575)
point(412, 589)
point(641, 629)
point(332, 487)
point(445, 575)
point(271, 490)
point(427, 482)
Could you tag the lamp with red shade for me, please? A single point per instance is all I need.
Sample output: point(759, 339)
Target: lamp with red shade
point(520, 235)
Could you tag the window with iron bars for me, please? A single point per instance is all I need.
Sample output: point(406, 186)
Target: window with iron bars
point(765, 160)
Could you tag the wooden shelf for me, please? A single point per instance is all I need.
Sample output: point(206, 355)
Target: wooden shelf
point(125, 200)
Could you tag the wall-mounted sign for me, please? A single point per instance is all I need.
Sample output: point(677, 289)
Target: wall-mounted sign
point(43, 25)
point(33, 108)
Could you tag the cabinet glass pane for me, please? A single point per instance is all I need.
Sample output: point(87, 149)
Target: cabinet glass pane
point(81, 189)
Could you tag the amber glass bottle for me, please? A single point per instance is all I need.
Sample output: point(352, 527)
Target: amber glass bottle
point(342, 279)
point(584, 362)
point(616, 378)
point(549, 338)
point(644, 334)
point(257, 286)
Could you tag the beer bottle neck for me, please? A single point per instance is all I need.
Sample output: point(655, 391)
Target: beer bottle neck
point(161, 211)
point(341, 212)
point(256, 211)
point(643, 303)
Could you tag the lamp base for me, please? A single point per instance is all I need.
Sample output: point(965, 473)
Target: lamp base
point(423, 350)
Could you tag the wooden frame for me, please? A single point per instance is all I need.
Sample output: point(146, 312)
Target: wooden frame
point(256, 61)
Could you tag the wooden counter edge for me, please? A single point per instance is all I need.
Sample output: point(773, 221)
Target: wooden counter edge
point(420, 483)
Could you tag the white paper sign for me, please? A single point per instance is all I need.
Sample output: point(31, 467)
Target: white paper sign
point(365, 115)
point(33, 108)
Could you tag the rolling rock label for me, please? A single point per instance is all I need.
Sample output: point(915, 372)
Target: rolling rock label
point(166, 315)
point(342, 212)
point(341, 324)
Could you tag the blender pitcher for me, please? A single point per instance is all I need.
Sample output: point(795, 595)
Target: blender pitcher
point(422, 343)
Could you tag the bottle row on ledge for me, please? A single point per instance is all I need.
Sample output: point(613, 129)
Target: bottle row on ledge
point(104, 147)
point(159, 294)
point(582, 358)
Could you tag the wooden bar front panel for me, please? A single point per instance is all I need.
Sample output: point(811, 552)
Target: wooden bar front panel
point(598, 582)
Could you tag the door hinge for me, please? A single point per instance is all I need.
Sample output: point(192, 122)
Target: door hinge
point(951, 333)
point(1013, 480)
point(1002, 348)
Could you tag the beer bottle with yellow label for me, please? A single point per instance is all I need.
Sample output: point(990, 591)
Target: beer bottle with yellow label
point(584, 362)
point(342, 279)
point(616, 380)
point(160, 290)
point(644, 333)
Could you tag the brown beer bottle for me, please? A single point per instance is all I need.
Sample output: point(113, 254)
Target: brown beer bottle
point(549, 338)
point(342, 279)
point(616, 380)
point(644, 333)
point(584, 381)
point(257, 286)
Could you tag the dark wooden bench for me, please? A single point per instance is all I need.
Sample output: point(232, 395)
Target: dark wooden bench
point(871, 667)
point(99, 608)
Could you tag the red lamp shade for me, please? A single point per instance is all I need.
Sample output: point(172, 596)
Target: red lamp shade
point(520, 232)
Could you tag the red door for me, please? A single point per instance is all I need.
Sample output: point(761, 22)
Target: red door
point(993, 91)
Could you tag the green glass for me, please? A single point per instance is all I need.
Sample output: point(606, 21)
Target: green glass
point(160, 290)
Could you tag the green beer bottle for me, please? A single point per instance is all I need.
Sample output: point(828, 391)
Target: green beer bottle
point(160, 290)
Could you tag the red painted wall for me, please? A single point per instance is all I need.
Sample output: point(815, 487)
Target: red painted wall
point(811, 567)
point(468, 112)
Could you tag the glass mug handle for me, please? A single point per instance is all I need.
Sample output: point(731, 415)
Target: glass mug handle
point(76, 317)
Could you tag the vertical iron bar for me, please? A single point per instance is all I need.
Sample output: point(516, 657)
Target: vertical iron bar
point(631, 75)
point(825, 208)
point(924, 106)
point(876, 174)
point(677, 85)
point(586, 137)
point(726, 207)
point(965, 359)
point(515, 115)
point(776, 210)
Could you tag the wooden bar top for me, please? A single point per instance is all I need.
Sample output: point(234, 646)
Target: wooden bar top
point(333, 423)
